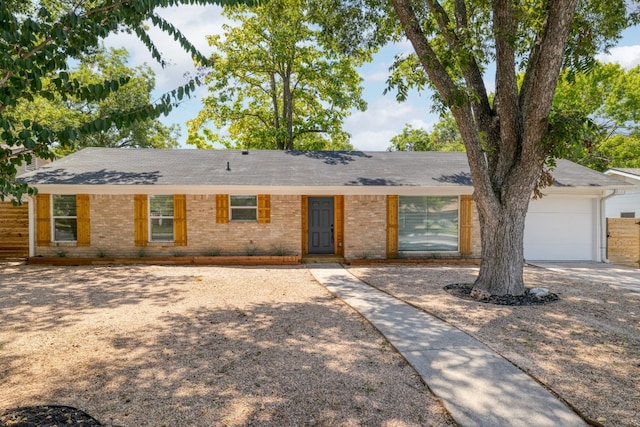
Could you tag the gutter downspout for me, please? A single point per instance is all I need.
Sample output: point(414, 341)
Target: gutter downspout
point(603, 226)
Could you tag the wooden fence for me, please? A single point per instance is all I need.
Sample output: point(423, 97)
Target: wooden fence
point(623, 241)
point(14, 230)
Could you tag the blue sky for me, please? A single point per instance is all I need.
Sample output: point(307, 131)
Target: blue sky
point(370, 130)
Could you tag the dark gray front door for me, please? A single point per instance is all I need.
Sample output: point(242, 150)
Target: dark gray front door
point(321, 225)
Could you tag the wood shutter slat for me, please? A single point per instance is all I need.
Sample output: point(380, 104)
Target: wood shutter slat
point(305, 225)
point(264, 208)
point(466, 225)
point(83, 213)
point(141, 219)
point(43, 221)
point(180, 219)
point(392, 226)
point(338, 221)
point(222, 208)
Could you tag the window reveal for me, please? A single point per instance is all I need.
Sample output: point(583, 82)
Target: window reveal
point(428, 223)
point(243, 208)
point(161, 218)
point(64, 218)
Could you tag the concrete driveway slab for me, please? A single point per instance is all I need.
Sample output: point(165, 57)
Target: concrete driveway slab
point(599, 272)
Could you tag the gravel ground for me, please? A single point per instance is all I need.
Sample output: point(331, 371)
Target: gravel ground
point(223, 346)
point(199, 346)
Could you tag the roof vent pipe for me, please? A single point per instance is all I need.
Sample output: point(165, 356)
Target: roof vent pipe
point(228, 167)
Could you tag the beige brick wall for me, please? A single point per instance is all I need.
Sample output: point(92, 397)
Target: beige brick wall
point(365, 227)
point(204, 235)
point(112, 230)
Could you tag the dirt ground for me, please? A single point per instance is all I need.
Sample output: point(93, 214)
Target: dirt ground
point(200, 346)
point(224, 346)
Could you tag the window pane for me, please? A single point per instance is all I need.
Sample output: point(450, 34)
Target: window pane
point(428, 223)
point(244, 201)
point(161, 205)
point(64, 205)
point(246, 214)
point(65, 229)
point(162, 229)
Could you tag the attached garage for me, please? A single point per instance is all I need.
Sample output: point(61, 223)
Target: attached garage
point(562, 228)
point(14, 230)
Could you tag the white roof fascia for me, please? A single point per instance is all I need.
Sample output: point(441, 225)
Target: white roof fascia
point(622, 173)
point(347, 190)
point(250, 190)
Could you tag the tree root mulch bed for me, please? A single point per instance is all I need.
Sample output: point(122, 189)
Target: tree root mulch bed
point(463, 290)
point(47, 416)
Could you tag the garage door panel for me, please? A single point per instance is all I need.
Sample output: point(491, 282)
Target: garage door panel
point(560, 229)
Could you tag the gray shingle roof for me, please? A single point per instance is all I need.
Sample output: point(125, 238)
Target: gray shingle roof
point(99, 166)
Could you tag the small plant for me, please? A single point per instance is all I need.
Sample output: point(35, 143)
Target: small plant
point(280, 250)
point(101, 253)
point(142, 253)
point(250, 250)
point(366, 255)
point(61, 253)
point(177, 253)
point(212, 252)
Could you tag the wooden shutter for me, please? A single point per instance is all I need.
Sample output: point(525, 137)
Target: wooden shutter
point(222, 208)
point(83, 213)
point(338, 222)
point(43, 221)
point(180, 220)
point(304, 212)
point(264, 208)
point(466, 225)
point(392, 226)
point(141, 219)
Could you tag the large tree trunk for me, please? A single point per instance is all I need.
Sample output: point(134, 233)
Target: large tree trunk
point(502, 234)
point(503, 138)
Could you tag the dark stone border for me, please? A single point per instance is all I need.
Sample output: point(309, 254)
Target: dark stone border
point(463, 290)
point(47, 416)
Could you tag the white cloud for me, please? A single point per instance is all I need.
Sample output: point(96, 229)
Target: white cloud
point(626, 56)
point(373, 129)
point(195, 22)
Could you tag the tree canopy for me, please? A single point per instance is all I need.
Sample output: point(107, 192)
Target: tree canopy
point(511, 137)
point(37, 42)
point(58, 113)
point(600, 119)
point(602, 109)
point(276, 84)
point(443, 137)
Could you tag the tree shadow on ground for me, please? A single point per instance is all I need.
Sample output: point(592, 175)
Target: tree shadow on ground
point(282, 362)
point(590, 331)
point(36, 298)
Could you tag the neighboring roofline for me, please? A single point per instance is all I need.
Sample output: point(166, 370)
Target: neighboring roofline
point(619, 172)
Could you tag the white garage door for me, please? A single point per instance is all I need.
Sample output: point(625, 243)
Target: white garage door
point(561, 229)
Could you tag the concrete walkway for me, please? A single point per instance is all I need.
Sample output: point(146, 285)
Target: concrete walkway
point(478, 387)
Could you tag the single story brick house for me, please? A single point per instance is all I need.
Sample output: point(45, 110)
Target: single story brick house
point(376, 205)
